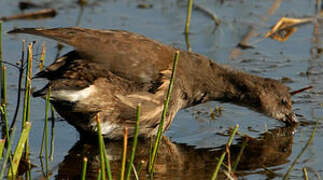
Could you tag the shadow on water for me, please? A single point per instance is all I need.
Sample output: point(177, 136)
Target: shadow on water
point(179, 160)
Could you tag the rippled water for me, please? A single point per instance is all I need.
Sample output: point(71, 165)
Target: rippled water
point(195, 139)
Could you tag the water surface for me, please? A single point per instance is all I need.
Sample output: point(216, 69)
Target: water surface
point(194, 132)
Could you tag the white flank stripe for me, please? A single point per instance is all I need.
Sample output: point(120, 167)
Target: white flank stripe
point(73, 95)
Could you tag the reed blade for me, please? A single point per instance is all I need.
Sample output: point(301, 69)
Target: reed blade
point(28, 85)
point(84, 168)
point(217, 169)
point(188, 16)
point(290, 169)
point(124, 154)
point(104, 160)
point(20, 149)
point(161, 124)
point(8, 154)
point(135, 141)
point(2, 143)
point(4, 116)
point(101, 146)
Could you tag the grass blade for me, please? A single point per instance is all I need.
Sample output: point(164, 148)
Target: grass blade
point(8, 154)
point(107, 163)
point(286, 176)
point(135, 171)
point(103, 152)
point(101, 146)
point(20, 149)
point(28, 85)
point(4, 116)
point(52, 141)
point(305, 174)
point(1, 43)
point(134, 145)
point(26, 111)
point(99, 175)
point(84, 168)
point(42, 57)
point(2, 143)
point(236, 163)
point(124, 154)
point(1, 63)
point(188, 16)
point(46, 129)
point(216, 171)
point(161, 124)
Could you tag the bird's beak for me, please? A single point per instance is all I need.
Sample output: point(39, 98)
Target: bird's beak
point(291, 119)
point(300, 90)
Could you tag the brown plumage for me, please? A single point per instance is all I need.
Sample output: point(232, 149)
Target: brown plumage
point(111, 71)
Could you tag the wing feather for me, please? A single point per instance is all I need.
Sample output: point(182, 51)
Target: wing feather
point(129, 55)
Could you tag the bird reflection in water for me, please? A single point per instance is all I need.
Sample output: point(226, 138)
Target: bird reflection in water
point(271, 149)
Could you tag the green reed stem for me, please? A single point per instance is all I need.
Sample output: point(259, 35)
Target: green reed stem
point(84, 168)
point(42, 166)
point(102, 159)
point(52, 141)
point(124, 154)
point(161, 124)
point(42, 144)
point(1, 60)
point(4, 116)
point(26, 112)
point(2, 143)
point(1, 63)
point(46, 129)
point(99, 175)
point(28, 173)
point(216, 171)
point(135, 141)
point(105, 165)
point(188, 16)
point(28, 85)
point(20, 149)
point(188, 44)
point(42, 57)
point(286, 176)
point(244, 145)
point(8, 154)
point(305, 174)
point(1, 43)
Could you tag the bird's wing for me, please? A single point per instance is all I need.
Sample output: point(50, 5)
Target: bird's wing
point(129, 55)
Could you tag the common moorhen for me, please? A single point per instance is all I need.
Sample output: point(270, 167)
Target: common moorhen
point(111, 71)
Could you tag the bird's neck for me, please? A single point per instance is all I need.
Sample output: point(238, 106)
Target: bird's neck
point(210, 81)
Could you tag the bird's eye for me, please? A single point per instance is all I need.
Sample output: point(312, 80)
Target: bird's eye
point(284, 101)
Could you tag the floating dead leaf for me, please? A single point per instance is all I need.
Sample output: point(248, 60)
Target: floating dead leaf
point(44, 13)
point(285, 27)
